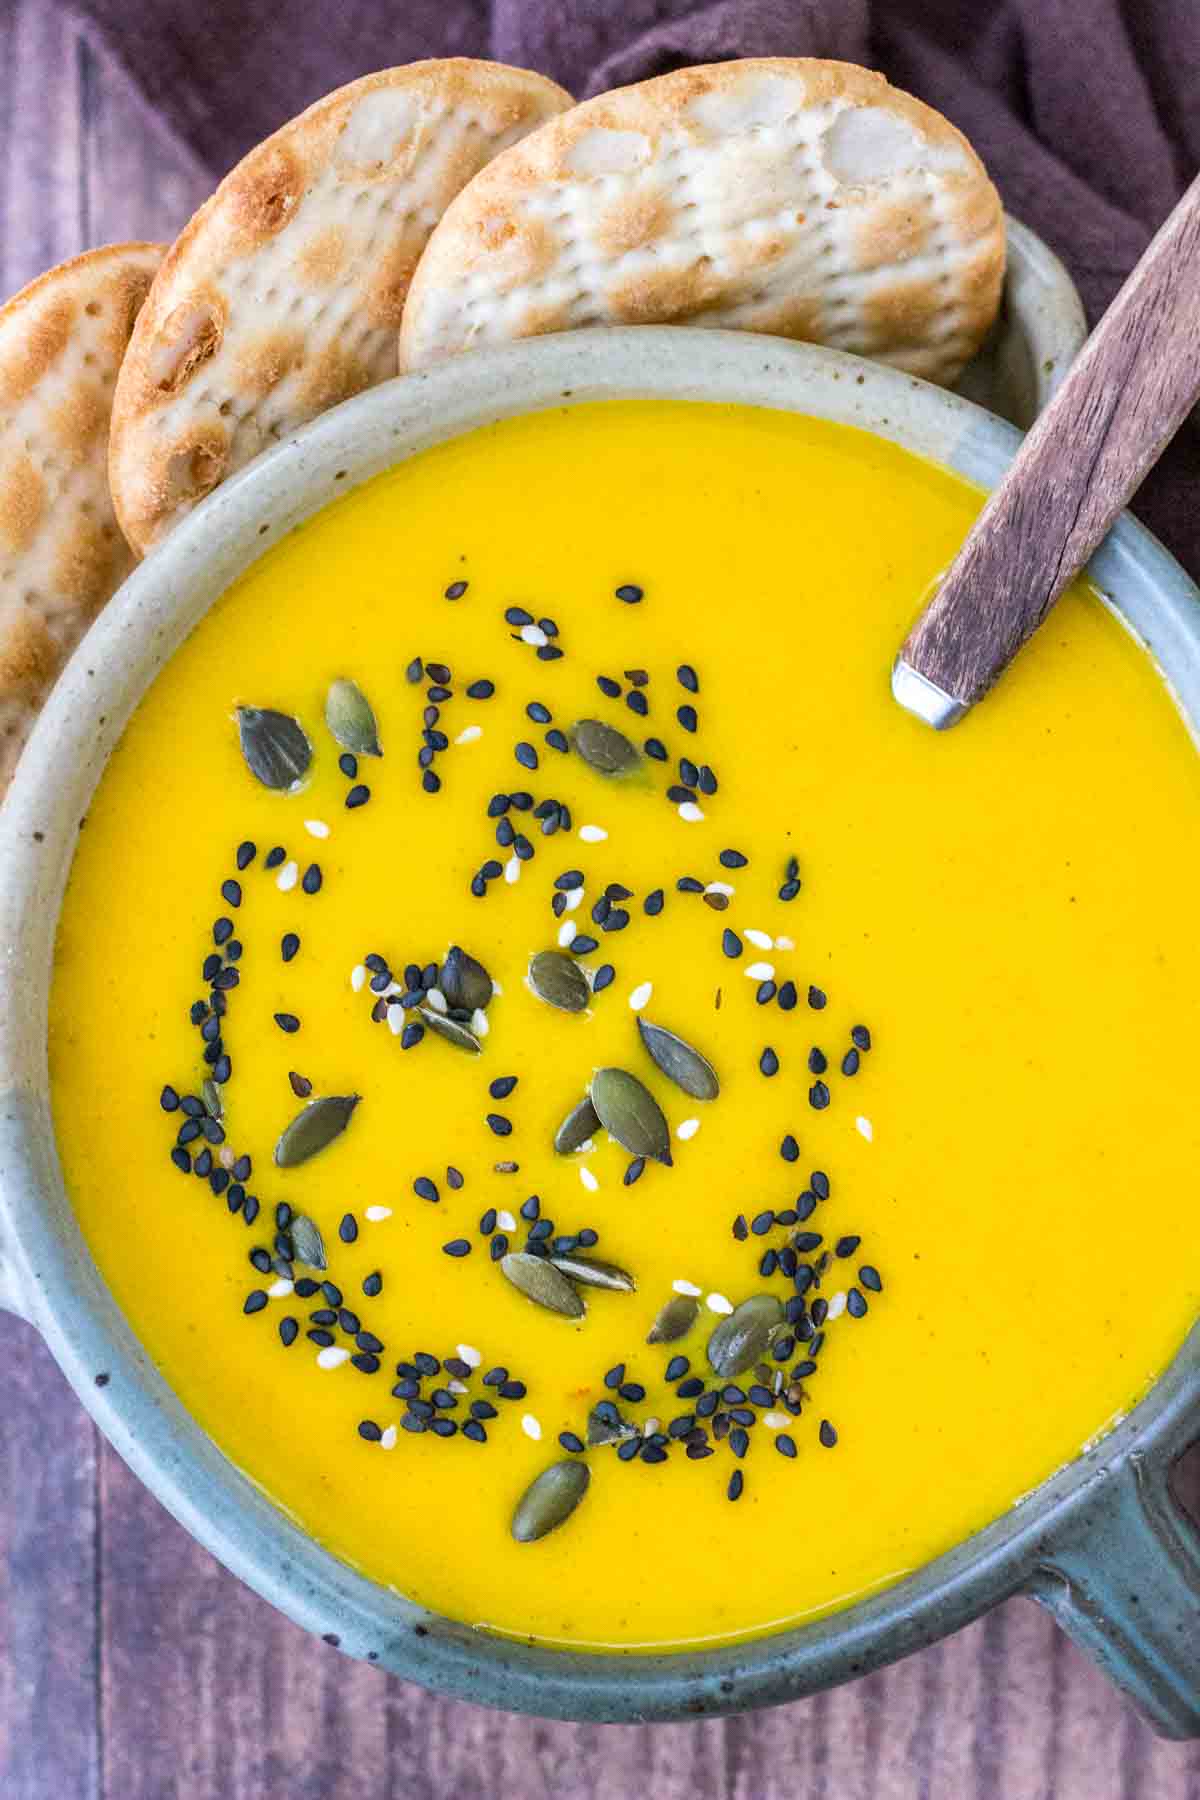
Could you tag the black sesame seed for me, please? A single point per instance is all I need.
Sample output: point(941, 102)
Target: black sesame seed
point(481, 690)
point(633, 1391)
point(255, 1301)
point(424, 1188)
point(570, 1442)
point(372, 1284)
point(311, 879)
point(654, 902)
point(526, 755)
point(348, 1228)
point(287, 1022)
point(231, 892)
point(512, 1390)
point(741, 1230)
point(764, 993)
point(850, 1063)
point(860, 1037)
point(687, 717)
point(289, 1331)
point(688, 884)
point(817, 1064)
point(736, 1484)
point(431, 782)
point(531, 1208)
point(246, 853)
point(732, 859)
point(762, 1223)
point(707, 781)
point(275, 856)
point(502, 1087)
point(368, 1429)
point(656, 749)
point(818, 1096)
point(582, 945)
point(411, 1036)
point(680, 796)
point(608, 686)
point(870, 1278)
point(846, 1246)
point(856, 1304)
point(827, 1434)
point(456, 590)
point(768, 1062)
point(454, 1177)
point(458, 1247)
point(637, 702)
point(615, 1376)
point(634, 1170)
point(731, 943)
point(816, 998)
point(288, 946)
point(498, 1124)
point(569, 879)
point(348, 764)
point(688, 678)
point(358, 796)
point(818, 1181)
point(629, 593)
point(604, 977)
point(169, 1100)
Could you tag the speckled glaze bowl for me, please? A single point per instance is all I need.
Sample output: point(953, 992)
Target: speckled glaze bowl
point(1101, 1544)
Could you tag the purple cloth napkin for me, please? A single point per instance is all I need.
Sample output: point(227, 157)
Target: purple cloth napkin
point(1086, 112)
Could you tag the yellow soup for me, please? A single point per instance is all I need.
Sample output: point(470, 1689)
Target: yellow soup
point(997, 927)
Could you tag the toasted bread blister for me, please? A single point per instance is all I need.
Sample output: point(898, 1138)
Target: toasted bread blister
point(804, 198)
point(284, 294)
point(62, 339)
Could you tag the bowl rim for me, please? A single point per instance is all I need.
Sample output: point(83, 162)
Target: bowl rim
point(55, 1276)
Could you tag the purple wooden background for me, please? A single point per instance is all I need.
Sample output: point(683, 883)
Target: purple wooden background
point(132, 1667)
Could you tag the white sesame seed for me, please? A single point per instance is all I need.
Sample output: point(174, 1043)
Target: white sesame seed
point(457, 1387)
point(467, 1352)
point(760, 971)
point(469, 734)
point(316, 828)
point(388, 1439)
point(690, 812)
point(496, 988)
point(530, 1426)
point(784, 943)
point(395, 1020)
point(574, 899)
point(566, 931)
point(512, 870)
point(721, 887)
point(837, 1306)
point(393, 987)
point(377, 1213)
point(687, 1129)
point(226, 1157)
point(279, 1290)
point(592, 834)
point(641, 995)
point(358, 978)
point(761, 940)
point(588, 1179)
point(479, 1023)
point(533, 634)
point(776, 1421)
point(332, 1357)
point(650, 1426)
point(718, 1303)
point(437, 1000)
point(287, 877)
point(687, 1287)
point(865, 1128)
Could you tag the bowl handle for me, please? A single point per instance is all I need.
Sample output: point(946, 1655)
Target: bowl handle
point(1124, 1583)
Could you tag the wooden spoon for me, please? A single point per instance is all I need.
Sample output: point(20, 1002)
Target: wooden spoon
point(1135, 381)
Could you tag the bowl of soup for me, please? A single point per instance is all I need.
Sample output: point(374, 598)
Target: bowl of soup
point(580, 1150)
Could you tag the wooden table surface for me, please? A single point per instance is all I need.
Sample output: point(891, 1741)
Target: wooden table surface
point(133, 1667)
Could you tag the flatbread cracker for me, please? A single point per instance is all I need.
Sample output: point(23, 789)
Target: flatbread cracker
point(794, 196)
point(284, 293)
point(61, 554)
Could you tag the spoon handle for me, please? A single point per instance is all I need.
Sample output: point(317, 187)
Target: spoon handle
point(1134, 383)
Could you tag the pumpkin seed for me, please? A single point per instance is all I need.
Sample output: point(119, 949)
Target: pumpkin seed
point(210, 1093)
point(349, 717)
point(743, 1336)
point(550, 1500)
point(578, 1126)
point(558, 980)
point(631, 1113)
point(451, 1029)
point(604, 748)
point(606, 1426)
point(679, 1062)
point(275, 747)
point(307, 1243)
point(675, 1320)
point(465, 982)
point(591, 1273)
point(315, 1127)
point(541, 1282)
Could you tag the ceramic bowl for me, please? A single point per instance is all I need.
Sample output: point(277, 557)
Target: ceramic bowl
point(1101, 1544)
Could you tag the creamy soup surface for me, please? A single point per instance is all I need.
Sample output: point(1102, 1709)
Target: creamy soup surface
point(946, 987)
